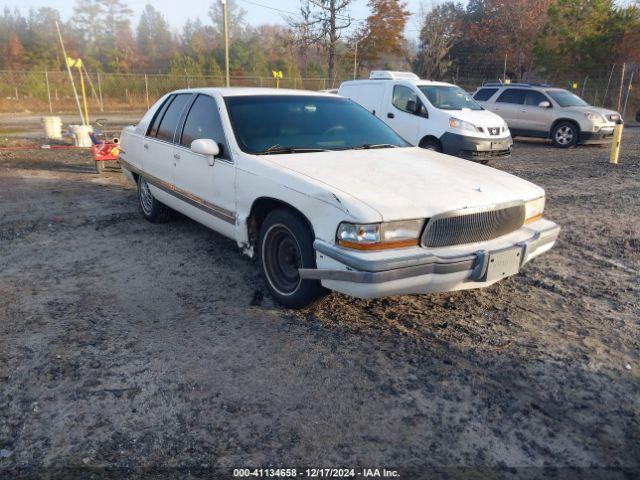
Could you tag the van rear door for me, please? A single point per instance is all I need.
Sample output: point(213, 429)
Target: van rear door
point(369, 95)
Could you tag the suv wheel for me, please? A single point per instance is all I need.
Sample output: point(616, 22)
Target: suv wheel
point(151, 209)
point(564, 135)
point(285, 244)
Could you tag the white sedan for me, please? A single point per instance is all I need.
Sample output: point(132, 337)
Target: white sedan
point(329, 197)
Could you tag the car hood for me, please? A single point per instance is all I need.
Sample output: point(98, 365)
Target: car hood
point(481, 118)
point(589, 108)
point(402, 183)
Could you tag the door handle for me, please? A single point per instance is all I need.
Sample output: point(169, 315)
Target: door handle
point(390, 115)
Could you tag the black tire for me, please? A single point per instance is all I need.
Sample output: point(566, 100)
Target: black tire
point(431, 144)
point(285, 244)
point(151, 209)
point(565, 135)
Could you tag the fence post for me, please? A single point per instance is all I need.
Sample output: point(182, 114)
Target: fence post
point(146, 89)
point(584, 85)
point(606, 90)
point(621, 85)
point(100, 91)
point(46, 79)
point(624, 108)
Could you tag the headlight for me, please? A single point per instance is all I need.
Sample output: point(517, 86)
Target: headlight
point(533, 210)
point(457, 123)
point(594, 117)
point(378, 236)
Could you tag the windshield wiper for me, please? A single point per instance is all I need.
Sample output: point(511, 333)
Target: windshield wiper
point(277, 149)
point(368, 146)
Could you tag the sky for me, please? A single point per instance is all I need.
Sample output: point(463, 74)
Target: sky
point(177, 12)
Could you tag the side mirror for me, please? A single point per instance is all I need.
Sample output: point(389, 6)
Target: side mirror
point(544, 104)
point(205, 146)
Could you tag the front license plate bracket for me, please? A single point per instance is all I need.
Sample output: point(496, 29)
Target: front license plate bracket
point(503, 263)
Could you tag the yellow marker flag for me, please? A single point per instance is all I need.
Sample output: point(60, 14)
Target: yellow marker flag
point(74, 62)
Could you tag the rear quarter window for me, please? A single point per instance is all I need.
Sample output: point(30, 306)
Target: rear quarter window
point(484, 94)
point(512, 95)
point(169, 122)
point(153, 127)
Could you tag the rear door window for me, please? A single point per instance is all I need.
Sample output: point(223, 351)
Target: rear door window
point(534, 98)
point(169, 122)
point(203, 121)
point(512, 95)
point(484, 94)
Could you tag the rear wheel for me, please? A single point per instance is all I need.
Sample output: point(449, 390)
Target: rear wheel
point(564, 135)
point(151, 209)
point(285, 244)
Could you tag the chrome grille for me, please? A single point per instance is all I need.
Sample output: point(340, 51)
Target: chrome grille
point(470, 226)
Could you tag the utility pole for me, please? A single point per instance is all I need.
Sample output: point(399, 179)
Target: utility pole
point(226, 40)
point(504, 70)
point(355, 61)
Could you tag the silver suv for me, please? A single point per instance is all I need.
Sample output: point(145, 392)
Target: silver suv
point(547, 112)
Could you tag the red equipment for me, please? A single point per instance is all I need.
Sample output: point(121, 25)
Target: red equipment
point(106, 151)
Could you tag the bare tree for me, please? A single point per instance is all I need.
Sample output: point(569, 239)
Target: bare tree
point(322, 21)
point(439, 32)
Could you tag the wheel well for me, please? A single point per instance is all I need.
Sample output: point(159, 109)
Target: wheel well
point(564, 120)
point(429, 138)
point(259, 211)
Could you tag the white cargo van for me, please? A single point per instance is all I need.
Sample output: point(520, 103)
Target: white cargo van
point(434, 115)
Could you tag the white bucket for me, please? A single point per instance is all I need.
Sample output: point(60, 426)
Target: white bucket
point(52, 127)
point(80, 135)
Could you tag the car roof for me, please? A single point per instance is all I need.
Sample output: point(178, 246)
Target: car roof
point(240, 91)
point(403, 81)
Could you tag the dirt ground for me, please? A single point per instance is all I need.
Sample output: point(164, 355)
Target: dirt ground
point(131, 349)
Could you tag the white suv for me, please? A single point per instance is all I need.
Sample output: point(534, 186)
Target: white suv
point(546, 112)
point(433, 115)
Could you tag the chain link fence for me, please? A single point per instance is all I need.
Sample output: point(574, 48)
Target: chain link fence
point(45, 92)
point(51, 91)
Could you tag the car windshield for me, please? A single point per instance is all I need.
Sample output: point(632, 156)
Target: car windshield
point(565, 98)
point(449, 97)
point(278, 124)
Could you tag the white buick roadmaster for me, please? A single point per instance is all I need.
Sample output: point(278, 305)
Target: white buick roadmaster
point(327, 196)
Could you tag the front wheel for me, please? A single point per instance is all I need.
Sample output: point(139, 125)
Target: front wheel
point(431, 144)
point(151, 209)
point(285, 244)
point(564, 135)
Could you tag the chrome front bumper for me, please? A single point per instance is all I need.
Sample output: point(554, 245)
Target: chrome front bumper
point(359, 270)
